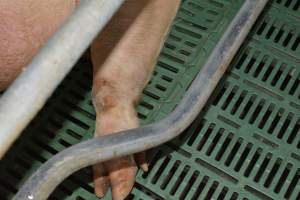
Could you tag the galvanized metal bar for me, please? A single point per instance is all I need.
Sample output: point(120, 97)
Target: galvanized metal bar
point(44, 181)
point(27, 95)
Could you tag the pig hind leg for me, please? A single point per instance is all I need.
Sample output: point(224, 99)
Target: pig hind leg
point(123, 57)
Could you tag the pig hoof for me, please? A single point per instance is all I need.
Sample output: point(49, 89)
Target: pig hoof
point(140, 159)
point(101, 180)
point(120, 176)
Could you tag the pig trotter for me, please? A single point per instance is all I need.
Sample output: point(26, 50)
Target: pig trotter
point(123, 61)
point(123, 57)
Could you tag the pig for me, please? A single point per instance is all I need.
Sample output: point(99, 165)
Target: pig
point(123, 57)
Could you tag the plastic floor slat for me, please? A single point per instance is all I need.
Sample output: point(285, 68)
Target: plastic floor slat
point(244, 145)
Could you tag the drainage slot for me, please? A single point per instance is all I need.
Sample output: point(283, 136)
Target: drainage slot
point(189, 185)
point(180, 179)
point(238, 102)
point(223, 193)
point(250, 64)
point(184, 52)
point(247, 107)
point(266, 116)
point(243, 157)
point(224, 146)
point(190, 44)
point(160, 87)
point(278, 36)
point(72, 119)
point(272, 174)
point(295, 86)
point(260, 66)
point(286, 81)
point(215, 142)
point(257, 111)
point(146, 105)
point(161, 169)
point(296, 44)
point(261, 28)
point(64, 143)
point(295, 156)
point(141, 116)
point(211, 190)
point(234, 196)
point(253, 162)
point(278, 74)
point(287, 39)
point(205, 136)
point(233, 152)
point(269, 70)
point(285, 126)
point(275, 121)
point(220, 94)
point(270, 32)
point(174, 37)
point(283, 178)
point(170, 46)
point(166, 78)
point(34, 154)
point(296, 7)
point(170, 175)
point(242, 60)
point(167, 67)
point(196, 132)
point(148, 192)
point(74, 134)
point(150, 94)
point(263, 167)
point(44, 146)
point(195, 6)
point(216, 4)
point(292, 185)
point(187, 32)
point(288, 3)
point(229, 98)
point(200, 188)
point(152, 163)
point(82, 183)
point(294, 132)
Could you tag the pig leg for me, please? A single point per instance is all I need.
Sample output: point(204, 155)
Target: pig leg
point(123, 57)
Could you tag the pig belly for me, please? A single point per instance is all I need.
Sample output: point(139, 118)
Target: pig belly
point(24, 27)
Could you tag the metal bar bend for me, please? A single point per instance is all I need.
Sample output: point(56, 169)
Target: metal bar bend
point(46, 178)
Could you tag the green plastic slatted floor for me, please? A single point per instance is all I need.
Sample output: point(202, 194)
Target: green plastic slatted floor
point(244, 145)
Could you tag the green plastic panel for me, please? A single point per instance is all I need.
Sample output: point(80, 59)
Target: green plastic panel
point(244, 145)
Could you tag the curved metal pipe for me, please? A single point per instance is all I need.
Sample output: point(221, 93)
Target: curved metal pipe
point(27, 95)
point(46, 178)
